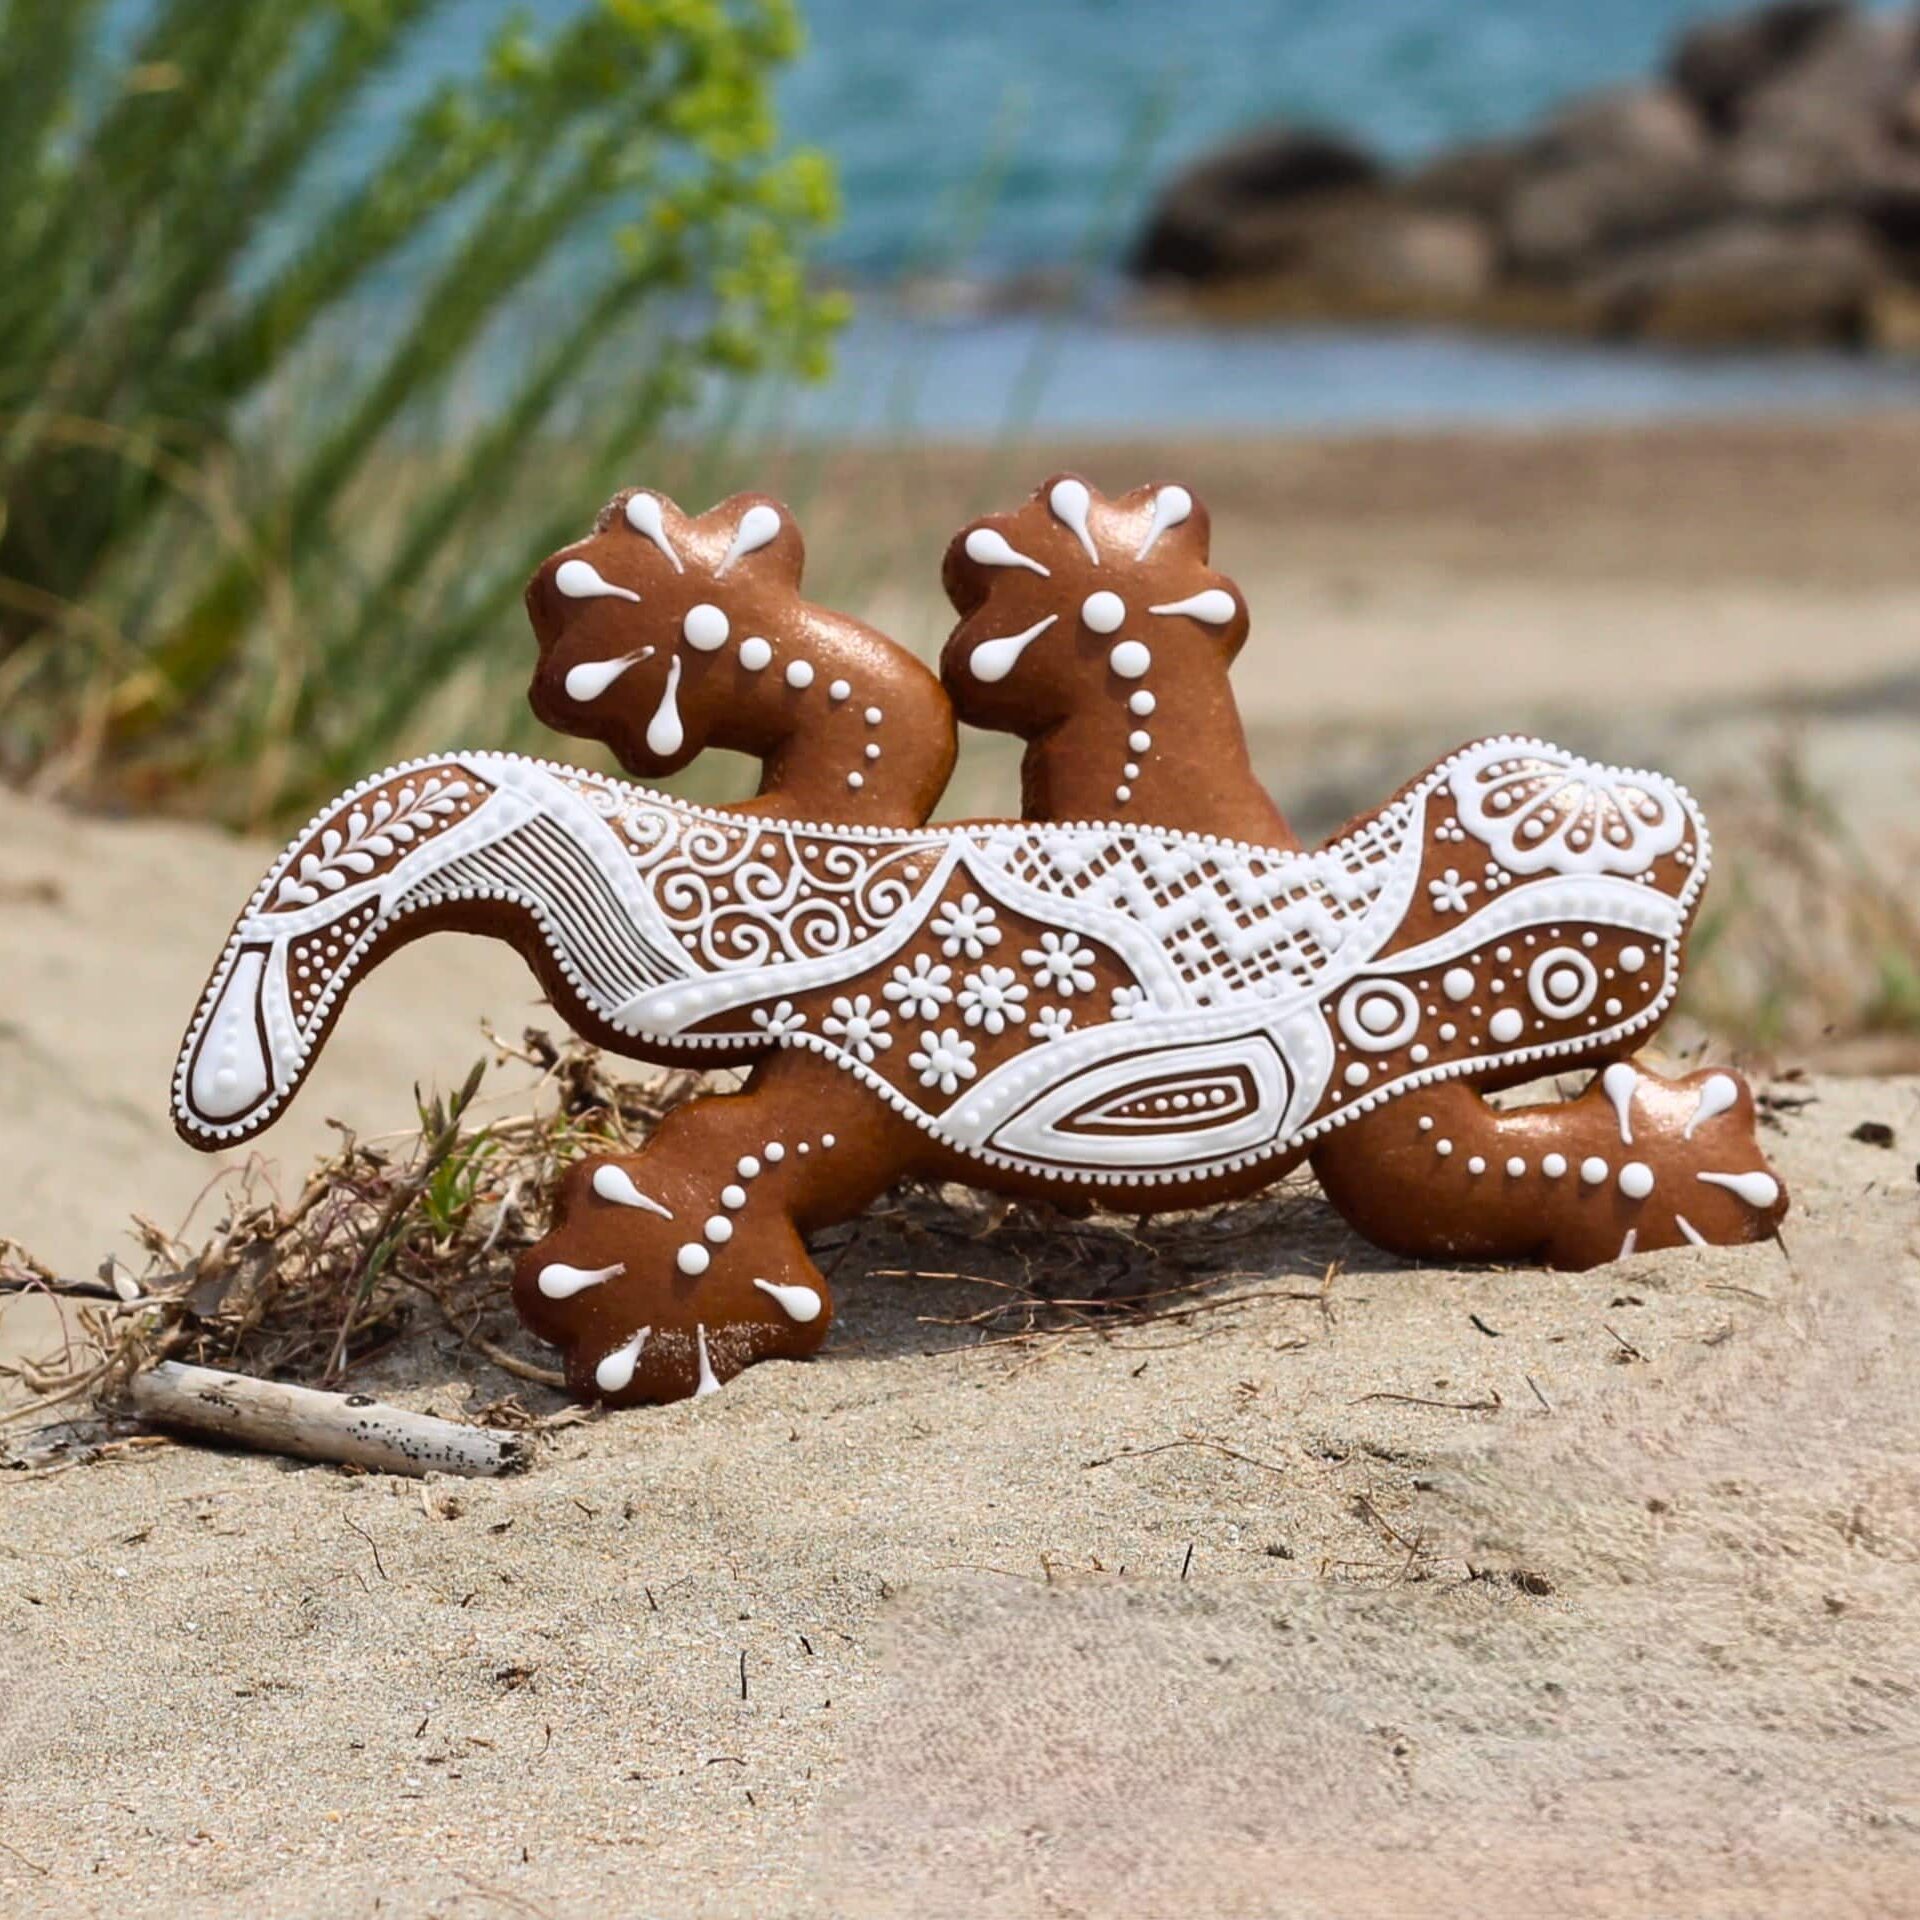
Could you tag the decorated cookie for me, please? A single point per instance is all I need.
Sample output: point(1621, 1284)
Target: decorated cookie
point(1143, 992)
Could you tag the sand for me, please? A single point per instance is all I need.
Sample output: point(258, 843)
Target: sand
point(1605, 1608)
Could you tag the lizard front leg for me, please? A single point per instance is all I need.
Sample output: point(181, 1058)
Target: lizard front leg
point(669, 1270)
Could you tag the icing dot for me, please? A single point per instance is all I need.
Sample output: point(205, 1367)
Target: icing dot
point(731, 1196)
point(1103, 611)
point(800, 674)
point(1614, 1009)
point(1636, 1179)
point(693, 1259)
point(1593, 1170)
point(1443, 1148)
point(1554, 1165)
point(1131, 771)
point(705, 627)
point(1563, 983)
point(719, 1229)
point(1448, 1031)
point(839, 690)
point(1589, 939)
point(1142, 703)
point(1123, 794)
point(1359, 1074)
point(1139, 740)
point(1476, 1165)
point(1632, 959)
point(874, 716)
point(1426, 1123)
point(873, 751)
point(1503, 954)
point(1418, 1052)
point(1456, 983)
point(1516, 1167)
point(775, 1152)
point(856, 780)
point(755, 654)
point(1130, 659)
point(1506, 1025)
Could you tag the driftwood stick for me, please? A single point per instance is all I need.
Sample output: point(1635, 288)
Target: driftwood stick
point(347, 1427)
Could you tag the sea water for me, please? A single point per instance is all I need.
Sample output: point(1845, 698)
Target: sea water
point(981, 140)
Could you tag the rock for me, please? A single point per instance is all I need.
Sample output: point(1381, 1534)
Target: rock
point(1568, 218)
point(1719, 63)
point(1477, 179)
point(1825, 129)
point(1206, 224)
point(1766, 188)
point(1357, 256)
point(1855, 75)
point(1746, 280)
point(1655, 124)
point(1391, 258)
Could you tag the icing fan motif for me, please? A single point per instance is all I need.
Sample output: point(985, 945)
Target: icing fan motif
point(1144, 984)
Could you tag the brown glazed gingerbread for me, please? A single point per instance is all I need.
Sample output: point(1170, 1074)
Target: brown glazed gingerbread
point(1144, 993)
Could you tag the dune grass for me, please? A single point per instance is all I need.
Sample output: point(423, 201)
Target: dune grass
point(264, 476)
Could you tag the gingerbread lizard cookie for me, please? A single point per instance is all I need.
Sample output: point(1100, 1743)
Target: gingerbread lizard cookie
point(1144, 992)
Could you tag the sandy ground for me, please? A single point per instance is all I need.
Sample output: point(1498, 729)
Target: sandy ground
point(1416, 1592)
point(1638, 1639)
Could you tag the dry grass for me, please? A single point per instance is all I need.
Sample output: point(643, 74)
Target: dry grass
point(382, 1242)
point(1809, 941)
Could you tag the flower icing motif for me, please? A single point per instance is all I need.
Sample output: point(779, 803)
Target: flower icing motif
point(780, 1022)
point(921, 990)
point(944, 1059)
point(859, 1026)
point(965, 926)
point(1127, 1001)
point(1051, 1023)
point(1540, 810)
point(990, 996)
point(1061, 963)
point(1450, 891)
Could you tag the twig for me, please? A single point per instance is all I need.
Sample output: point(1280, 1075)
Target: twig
point(349, 1429)
point(1491, 1404)
point(1200, 1441)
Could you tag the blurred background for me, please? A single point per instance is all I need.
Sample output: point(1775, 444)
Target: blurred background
point(1544, 367)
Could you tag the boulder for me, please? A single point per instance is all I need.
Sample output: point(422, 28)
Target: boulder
point(1655, 124)
point(1355, 256)
point(1477, 179)
point(1567, 218)
point(1382, 256)
point(1825, 130)
point(1719, 63)
point(1210, 221)
point(1766, 188)
point(1746, 280)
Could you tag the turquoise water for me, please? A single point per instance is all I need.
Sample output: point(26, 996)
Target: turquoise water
point(1063, 112)
point(979, 138)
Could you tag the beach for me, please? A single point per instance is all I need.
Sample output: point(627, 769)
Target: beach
point(1389, 1587)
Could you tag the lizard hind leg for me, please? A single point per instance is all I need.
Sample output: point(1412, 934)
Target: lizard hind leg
point(668, 1271)
point(1635, 1163)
